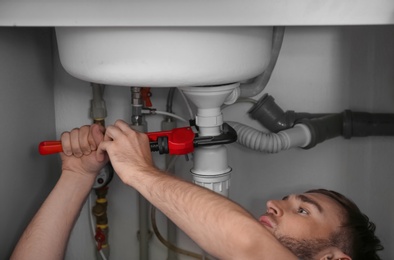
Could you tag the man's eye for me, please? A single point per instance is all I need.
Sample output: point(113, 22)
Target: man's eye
point(302, 211)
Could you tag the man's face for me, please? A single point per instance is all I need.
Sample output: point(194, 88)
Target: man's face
point(305, 217)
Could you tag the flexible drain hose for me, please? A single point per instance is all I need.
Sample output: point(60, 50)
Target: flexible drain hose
point(298, 136)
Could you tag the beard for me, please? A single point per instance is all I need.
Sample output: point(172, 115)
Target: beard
point(305, 249)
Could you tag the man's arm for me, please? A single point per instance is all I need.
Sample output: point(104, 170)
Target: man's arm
point(218, 225)
point(47, 234)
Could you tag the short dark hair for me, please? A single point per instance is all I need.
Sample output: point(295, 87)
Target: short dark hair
point(356, 237)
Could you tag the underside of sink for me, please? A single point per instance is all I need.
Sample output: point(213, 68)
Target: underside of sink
point(164, 56)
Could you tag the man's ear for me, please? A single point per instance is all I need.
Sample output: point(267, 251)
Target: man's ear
point(333, 253)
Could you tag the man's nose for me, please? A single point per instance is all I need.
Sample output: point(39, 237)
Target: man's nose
point(274, 208)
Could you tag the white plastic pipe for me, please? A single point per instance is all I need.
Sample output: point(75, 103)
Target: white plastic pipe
point(210, 167)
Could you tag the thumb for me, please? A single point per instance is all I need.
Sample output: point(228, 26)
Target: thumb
point(97, 132)
point(101, 153)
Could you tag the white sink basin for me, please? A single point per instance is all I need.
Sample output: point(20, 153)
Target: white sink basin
point(164, 56)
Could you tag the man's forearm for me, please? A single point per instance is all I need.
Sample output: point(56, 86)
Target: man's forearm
point(47, 234)
point(219, 226)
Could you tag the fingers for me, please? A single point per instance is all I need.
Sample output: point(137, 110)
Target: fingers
point(117, 130)
point(66, 143)
point(111, 133)
point(74, 143)
point(84, 140)
point(123, 126)
point(81, 141)
point(117, 135)
point(133, 134)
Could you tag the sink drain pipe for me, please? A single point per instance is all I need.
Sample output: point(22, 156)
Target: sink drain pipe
point(290, 129)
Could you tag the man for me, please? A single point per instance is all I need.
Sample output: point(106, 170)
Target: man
point(313, 225)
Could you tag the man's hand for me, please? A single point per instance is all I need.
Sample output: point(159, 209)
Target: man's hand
point(127, 149)
point(79, 150)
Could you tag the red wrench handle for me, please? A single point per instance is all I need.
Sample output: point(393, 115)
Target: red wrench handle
point(178, 141)
point(50, 147)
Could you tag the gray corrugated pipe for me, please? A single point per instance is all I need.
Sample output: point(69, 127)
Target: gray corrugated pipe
point(298, 136)
point(260, 82)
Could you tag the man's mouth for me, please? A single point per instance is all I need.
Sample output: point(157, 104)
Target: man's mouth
point(266, 221)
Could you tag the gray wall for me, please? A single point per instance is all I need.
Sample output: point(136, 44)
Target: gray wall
point(320, 69)
point(27, 117)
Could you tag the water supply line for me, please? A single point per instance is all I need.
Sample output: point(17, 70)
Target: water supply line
point(147, 110)
point(168, 124)
point(138, 123)
point(98, 113)
point(170, 243)
point(100, 212)
point(98, 109)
